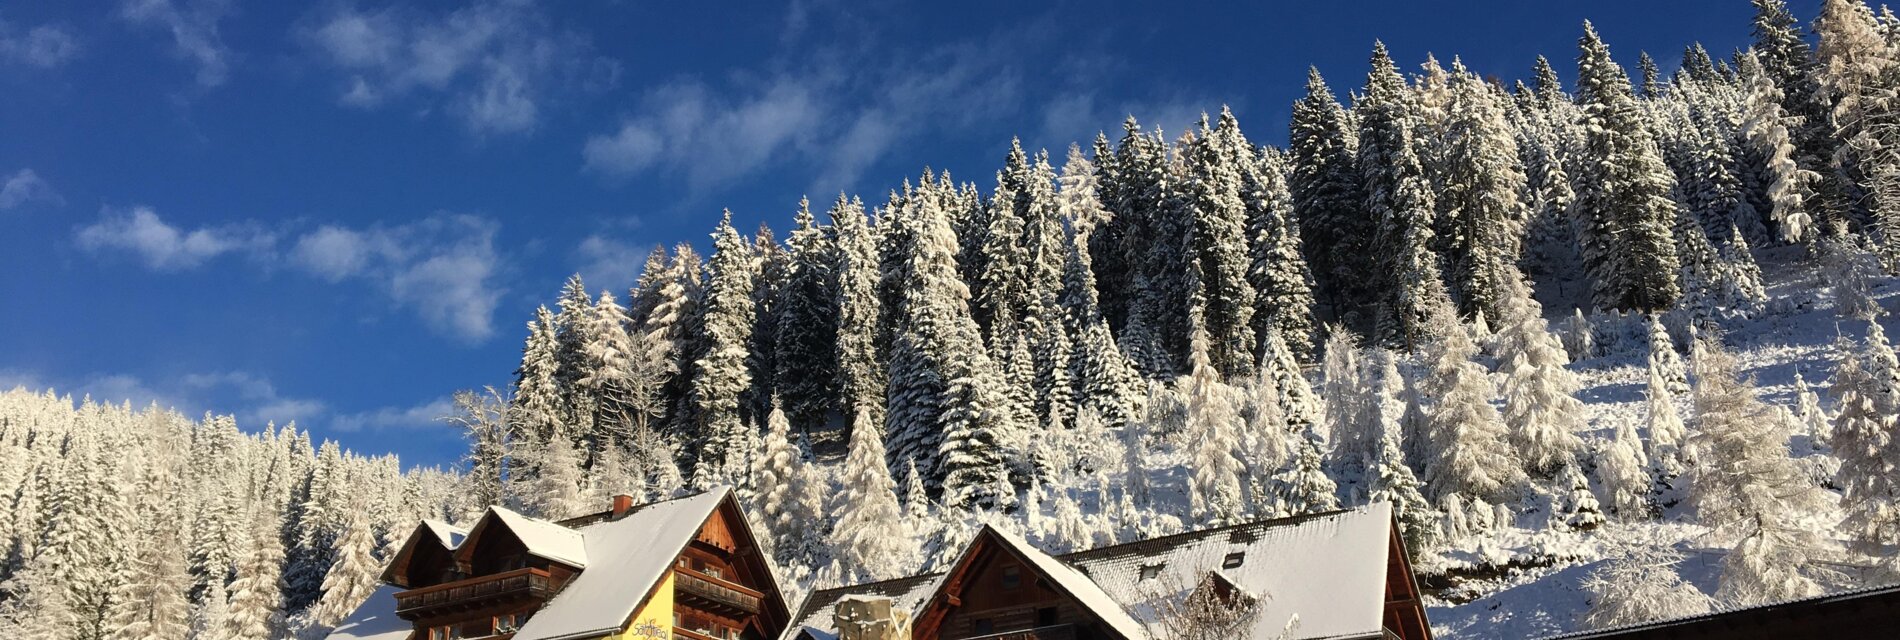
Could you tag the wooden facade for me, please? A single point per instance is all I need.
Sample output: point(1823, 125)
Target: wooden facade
point(995, 592)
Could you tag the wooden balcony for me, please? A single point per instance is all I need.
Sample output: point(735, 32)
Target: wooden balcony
point(1051, 632)
point(715, 596)
point(475, 593)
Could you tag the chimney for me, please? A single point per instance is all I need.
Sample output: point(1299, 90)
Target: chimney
point(622, 504)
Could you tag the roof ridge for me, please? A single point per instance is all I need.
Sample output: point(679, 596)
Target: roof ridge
point(1269, 522)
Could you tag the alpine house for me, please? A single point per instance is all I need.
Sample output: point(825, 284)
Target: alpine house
point(1336, 575)
point(687, 568)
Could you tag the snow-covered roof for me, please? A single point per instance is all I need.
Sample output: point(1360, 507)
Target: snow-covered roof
point(1085, 591)
point(1327, 569)
point(544, 539)
point(449, 535)
point(625, 559)
point(375, 619)
point(905, 593)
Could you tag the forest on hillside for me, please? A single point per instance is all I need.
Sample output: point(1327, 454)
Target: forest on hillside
point(1550, 324)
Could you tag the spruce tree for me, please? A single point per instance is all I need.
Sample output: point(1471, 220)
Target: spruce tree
point(1857, 74)
point(854, 260)
point(1786, 57)
point(1283, 285)
point(352, 578)
point(1480, 213)
point(1323, 178)
point(1623, 206)
point(721, 374)
point(256, 604)
point(1305, 487)
point(789, 497)
point(808, 337)
point(1399, 197)
point(1864, 438)
point(1216, 160)
point(535, 410)
point(870, 535)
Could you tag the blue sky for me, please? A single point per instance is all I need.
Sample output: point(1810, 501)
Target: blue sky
point(340, 212)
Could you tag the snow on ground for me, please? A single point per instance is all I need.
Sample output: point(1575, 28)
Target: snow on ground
point(1526, 581)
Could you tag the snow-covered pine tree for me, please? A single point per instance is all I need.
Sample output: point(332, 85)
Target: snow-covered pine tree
point(1867, 383)
point(1323, 177)
point(555, 492)
point(1578, 507)
point(607, 363)
point(256, 604)
point(1540, 404)
point(721, 374)
point(1815, 421)
point(854, 260)
point(1283, 285)
point(770, 262)
point(1623, 473)
point(1666, 432)
point(1786, 57)
point(353, 577)
point(571, 326)
point(1213, 431)
point(1399, 197)
point(1663, 359)
point(1388, 477)
point(535, 411)
point(1304, 486)
point(151, 604)
point(994, 263)
point(1623, 208)
point(1348, 401)
point(1756, 493)
point(1106, 382)
point(1467, 443)
point(1148, 204)
point(808, 337)
point(1215, 161)
point(946, 408)
point(1480, 210)
point(1854, 71)
point(1641, 586)
point(1771, 129)
point(870, 535)
point(790, 498)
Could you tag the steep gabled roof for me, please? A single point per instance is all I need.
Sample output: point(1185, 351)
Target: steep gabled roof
point(1076, 584)
point(1329, 569)
point(436, 532)
point(626, 558)
point(542, 539)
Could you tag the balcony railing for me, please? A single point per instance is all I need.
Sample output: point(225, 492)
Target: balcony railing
point(1051, 632)
point(474, 592)
point(716, 596)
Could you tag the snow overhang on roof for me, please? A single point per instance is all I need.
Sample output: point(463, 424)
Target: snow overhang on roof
point(544, 539)
point(626, 559)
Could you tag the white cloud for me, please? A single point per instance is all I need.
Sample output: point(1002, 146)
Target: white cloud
point(193, 25)
point(248, 396)
point(711, 140)
point(45, 46)
point(442, 267)
point(604, 260)
point(26, 186)
point(494, 64)
point(164, 247)
point(427, 414)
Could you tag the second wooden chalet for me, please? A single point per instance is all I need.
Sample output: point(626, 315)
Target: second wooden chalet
point(688, 568)
point(1343, 574)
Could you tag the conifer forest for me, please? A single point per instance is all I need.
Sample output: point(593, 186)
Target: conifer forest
point(1613, 350)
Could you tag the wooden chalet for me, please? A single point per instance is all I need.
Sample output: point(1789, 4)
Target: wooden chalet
point(1343, 574)
point(688, 569)
point(1866, 613)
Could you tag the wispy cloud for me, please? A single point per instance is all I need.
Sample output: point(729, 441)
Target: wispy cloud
point(45, 46)
point(163, 247)
point(710, 139)
point(494, 64)
point(442, 267)
point(25, 186)
point(193, 27)
point(424, 415)
point(605, 260)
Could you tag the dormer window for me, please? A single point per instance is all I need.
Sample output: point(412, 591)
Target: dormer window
point(1151, 571)
point(1233, 560)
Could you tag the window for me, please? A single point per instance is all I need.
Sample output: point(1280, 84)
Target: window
point(1151, 571)
point(1045, 616)
point(1012, 577)
point(713, 572)
point(507, 622)
point(1233, 560)
point(982, 626)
